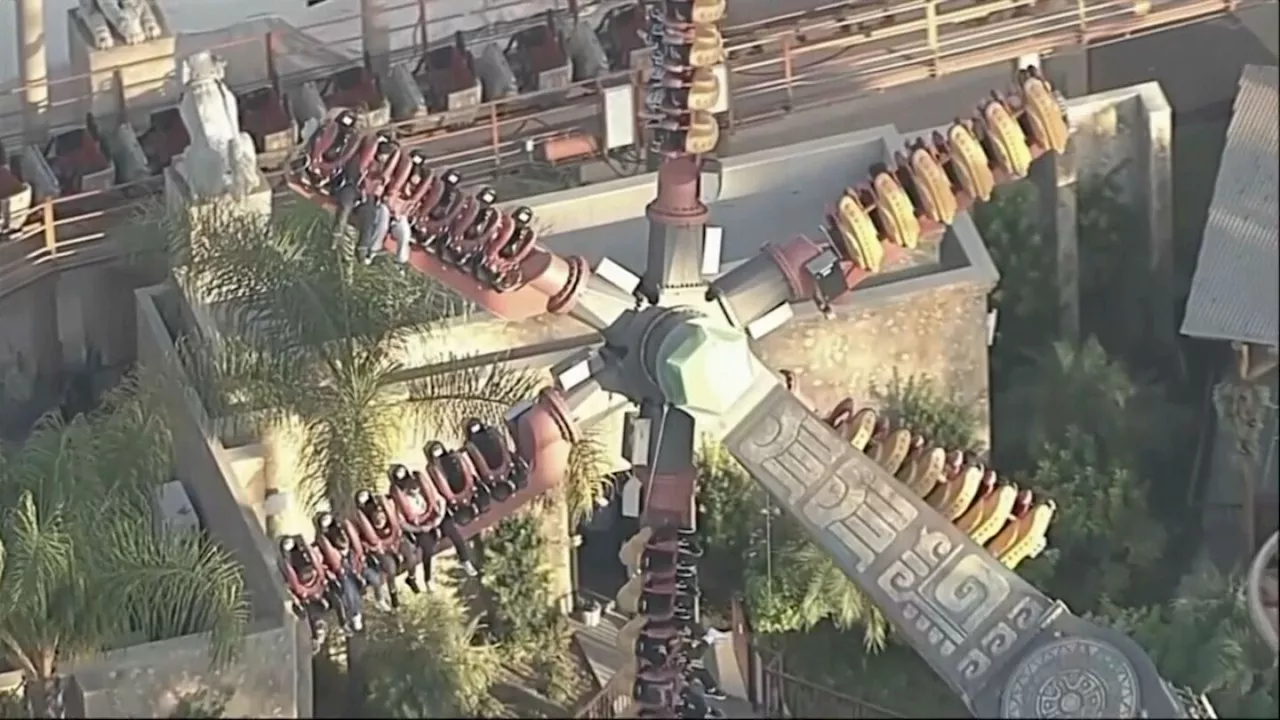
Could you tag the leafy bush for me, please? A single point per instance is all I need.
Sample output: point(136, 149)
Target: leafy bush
point(730, 516)
point(1082, 386)
point(919, 404)
point(790, 583)
point(522, 613)
point(1027, 293)
point(426, 660)
point(1104, 540)
point(517, 579)
point(1204, 639)
point(801, 587)
point(557, 673)
point(1116, 283)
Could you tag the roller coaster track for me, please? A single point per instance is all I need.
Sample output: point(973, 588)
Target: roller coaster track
point(776, 66)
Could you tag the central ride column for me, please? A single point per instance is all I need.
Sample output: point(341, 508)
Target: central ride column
point(663, 639)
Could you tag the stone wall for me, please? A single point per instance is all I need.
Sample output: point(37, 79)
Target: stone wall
point(940, 335)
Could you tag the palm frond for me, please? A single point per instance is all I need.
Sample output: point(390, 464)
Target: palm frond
point(432, 662)
point(171, 583)
point(40, 555)
point(586, 480)
point(84, 566)
point(346, 448)
point(441, 403)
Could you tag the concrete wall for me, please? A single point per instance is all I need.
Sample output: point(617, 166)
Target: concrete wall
point(274, 674)
point(58, 318)
point(1126, 135)
point(151, 680)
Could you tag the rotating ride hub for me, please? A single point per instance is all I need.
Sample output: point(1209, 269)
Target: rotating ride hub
point(929, 533)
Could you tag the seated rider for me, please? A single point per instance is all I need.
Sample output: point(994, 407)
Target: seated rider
point(306, 580)
point(330, 147)
point(700, 640)
point(356, 572)
point(388, 550)
point(373, 217)
point(425, 518)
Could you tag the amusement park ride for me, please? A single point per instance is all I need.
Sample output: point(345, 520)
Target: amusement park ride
point(930, 535)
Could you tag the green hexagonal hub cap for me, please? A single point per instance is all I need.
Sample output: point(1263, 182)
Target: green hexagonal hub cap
point(704, 367)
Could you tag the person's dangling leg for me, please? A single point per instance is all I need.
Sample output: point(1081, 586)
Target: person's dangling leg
point(386, 566)
point(374, 223)
point(466, 558)
point(699, 672)
point(404, 239)
point(410, 560)
point(347, 196)
point(426, 544)
point(373, 579)
point(315, 612)
point(695, 704)
point(337, 603)
point(353, 602)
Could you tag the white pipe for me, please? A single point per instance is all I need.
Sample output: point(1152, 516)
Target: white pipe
point(32, 62)
point(1257, 573)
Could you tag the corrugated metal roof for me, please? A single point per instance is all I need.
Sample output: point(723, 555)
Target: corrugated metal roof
point(1234, 291)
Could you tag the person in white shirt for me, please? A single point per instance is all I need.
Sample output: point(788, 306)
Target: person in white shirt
point(429, 521)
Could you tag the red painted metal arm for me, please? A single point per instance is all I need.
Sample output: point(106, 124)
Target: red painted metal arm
point(512, 276)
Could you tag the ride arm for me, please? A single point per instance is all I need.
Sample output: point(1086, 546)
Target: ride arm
point(798, 270)
point(990, 635)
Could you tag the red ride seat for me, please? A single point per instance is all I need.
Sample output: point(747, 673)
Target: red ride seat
point(405, 507)
point(326, 528)
point(386, 540)
point(457, 480)
point(296, 555)
point(354, 87)
point(499, 467)
point(262, 113)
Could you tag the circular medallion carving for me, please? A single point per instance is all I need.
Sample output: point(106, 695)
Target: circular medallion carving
point(1072, 678)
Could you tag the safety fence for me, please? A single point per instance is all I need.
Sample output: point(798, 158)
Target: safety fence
point(814, 61)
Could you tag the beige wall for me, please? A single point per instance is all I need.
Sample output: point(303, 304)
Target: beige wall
point(275, 672)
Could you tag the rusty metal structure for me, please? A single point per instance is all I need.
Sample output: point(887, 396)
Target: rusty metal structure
point(928, 533)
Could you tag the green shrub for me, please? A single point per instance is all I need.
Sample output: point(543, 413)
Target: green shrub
point(918, 403)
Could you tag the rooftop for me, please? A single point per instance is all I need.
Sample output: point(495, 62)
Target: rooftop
point(1234, 290)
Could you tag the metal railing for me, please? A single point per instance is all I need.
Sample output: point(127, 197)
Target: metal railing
point(613, 701)
point(763, 86)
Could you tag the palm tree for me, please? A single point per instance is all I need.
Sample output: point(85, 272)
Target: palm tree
point(84, 566)
point(315, 338)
